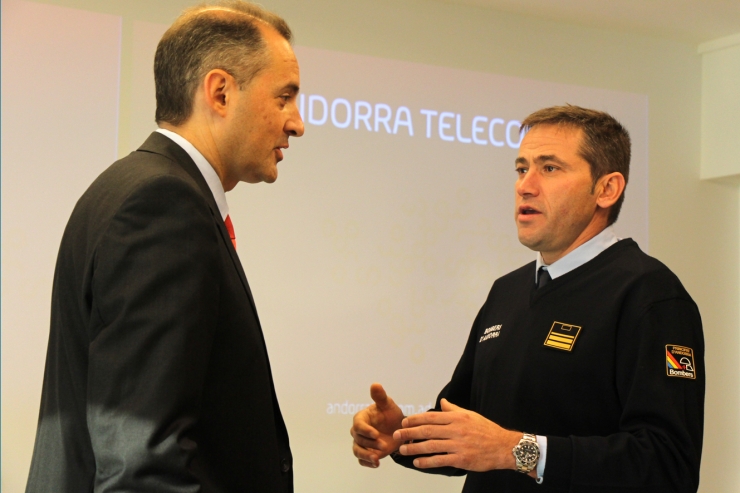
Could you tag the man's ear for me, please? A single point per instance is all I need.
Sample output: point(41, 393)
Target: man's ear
point(608, 189)
point(218, 88)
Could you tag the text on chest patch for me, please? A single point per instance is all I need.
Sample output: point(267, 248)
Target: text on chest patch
point(490, 333)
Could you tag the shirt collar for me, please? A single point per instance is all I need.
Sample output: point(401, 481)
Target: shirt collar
point(579, 256)
point(209, 174)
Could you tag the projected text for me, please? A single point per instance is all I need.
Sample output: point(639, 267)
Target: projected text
point(380, 117)
point(346, 407)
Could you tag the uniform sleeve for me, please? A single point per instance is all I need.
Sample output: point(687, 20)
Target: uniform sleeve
point(658, 447)
point(155, 291)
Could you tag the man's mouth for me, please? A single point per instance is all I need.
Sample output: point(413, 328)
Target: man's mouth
point(527, 210)
point(279, 151)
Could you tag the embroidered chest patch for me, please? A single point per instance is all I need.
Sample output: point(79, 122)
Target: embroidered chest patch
point(679, 361)
point(562, 336)
point(490, 333)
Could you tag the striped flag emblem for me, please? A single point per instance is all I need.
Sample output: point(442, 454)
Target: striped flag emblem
point(679, 361)
point(671, 361)
point(562, 336)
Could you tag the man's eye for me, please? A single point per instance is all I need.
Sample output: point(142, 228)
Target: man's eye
point(521, 171)
point(550, 169)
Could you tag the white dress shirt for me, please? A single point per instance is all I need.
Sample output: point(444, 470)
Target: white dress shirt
point(209, 174)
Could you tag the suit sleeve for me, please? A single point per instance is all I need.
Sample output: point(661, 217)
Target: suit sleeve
point(155, 303)
point(658, 447)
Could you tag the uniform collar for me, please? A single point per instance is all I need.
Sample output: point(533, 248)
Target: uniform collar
point(579, 256)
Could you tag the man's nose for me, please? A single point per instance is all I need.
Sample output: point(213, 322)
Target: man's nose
point(527, 184)
point(294, 125)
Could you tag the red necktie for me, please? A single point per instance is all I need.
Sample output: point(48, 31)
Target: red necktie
point(230, 229)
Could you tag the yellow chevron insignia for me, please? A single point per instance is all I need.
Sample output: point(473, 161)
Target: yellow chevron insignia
point(562, 336)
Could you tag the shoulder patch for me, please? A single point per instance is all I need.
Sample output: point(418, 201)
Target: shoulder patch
point(679, 361)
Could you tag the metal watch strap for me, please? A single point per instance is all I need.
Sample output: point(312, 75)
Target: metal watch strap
point(526, 453)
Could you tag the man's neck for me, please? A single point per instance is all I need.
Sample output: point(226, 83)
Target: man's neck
point(205, 168)
point(598, 224)
point(201, 137)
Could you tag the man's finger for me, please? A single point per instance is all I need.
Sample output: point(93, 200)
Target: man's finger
point(364, 429)
point(427, 447)
point(447, 406)
point(424, 432)
point(377, 393)
point(365, 463)
point(367, 443)
point(365, 455)
point(436, 461)
point(427, 418)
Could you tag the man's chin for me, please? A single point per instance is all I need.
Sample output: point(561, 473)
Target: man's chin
point(530, 242)
point(271, 174)
point(271, 177)
point(262, 176)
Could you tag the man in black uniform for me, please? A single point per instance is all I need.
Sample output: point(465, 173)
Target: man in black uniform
point(584, 370)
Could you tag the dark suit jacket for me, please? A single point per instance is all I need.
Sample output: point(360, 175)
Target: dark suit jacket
point(157, 376)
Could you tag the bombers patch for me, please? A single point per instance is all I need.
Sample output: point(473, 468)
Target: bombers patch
point(679, 361)
point(562, 336)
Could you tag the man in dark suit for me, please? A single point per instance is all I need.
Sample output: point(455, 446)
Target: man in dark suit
point(157, 376)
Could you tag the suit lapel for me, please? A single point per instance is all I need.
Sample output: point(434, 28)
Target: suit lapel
point(160, 144)
point(235, 259)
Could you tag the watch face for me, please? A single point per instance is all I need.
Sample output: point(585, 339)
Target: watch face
point(527, 453)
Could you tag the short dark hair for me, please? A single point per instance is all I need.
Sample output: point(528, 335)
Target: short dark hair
point(605, 146)
point(224, 35)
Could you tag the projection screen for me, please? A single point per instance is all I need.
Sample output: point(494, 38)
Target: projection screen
point(368, 258)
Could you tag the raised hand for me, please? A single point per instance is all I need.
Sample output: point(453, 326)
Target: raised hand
point(373, 427)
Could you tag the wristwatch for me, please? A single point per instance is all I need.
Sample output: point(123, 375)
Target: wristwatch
point(526, 453)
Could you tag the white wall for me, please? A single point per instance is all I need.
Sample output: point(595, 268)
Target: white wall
point(53, 141)
point(693, 223)
point(720, 163)
point(720, 102)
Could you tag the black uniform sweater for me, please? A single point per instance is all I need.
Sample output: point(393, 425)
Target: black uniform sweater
point(607, 361)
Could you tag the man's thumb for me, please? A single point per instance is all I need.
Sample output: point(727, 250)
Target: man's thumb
point(377, 392)
point(447, 406)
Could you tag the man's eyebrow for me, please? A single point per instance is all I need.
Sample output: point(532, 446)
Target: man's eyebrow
point(292, 87)
point(550, 158)
point(521, 160)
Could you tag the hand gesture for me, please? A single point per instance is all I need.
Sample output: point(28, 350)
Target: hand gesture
point(462, 438)
point(373, 427)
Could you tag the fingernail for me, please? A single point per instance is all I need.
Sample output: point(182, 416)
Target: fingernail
point(402, 449)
